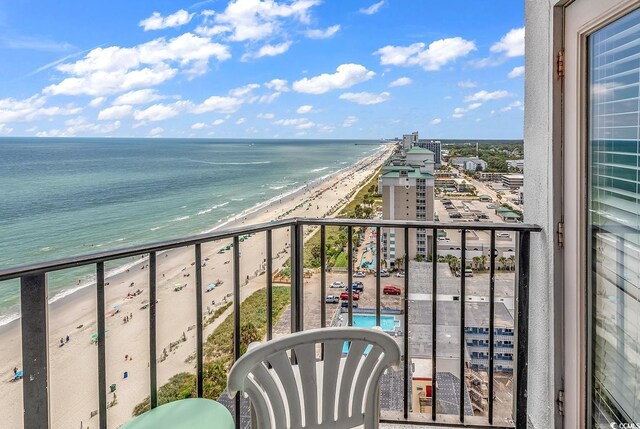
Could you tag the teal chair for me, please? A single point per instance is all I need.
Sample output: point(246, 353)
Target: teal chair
point(195, 413)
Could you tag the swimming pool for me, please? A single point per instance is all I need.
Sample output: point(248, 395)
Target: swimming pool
point(387, 323)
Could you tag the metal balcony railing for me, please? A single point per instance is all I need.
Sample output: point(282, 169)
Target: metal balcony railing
point(34, 305)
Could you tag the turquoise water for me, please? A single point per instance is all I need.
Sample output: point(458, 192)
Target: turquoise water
point(70, 196)
point(387, 323)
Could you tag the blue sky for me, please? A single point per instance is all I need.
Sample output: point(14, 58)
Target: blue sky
point(262, 68)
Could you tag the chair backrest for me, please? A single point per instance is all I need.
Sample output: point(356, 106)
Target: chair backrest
point(318, 378)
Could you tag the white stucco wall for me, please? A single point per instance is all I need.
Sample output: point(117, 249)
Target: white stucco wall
point(542, 207)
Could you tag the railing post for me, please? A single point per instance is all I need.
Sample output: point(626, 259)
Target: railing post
point(153, 361)
point(406, 323)
point(269, 274)
point(35, 350)
point(199, 325)
point(463, 298)
point(522, 330)
point(102, 360)
point(323, 277)
point(236, 317)
point(434, 326)
point(297, 275)
point(350, 274)
point(492, 312)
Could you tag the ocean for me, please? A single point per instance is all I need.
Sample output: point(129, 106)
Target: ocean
point(61, 197)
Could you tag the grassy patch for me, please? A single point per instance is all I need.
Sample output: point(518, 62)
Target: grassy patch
point(218, 348)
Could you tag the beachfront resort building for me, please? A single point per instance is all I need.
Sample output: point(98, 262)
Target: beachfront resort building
point(434, 146)
point(408, 140)
point(407, 194)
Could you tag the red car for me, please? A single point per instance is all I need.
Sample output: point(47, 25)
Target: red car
point(345, 295)
point(391, 290)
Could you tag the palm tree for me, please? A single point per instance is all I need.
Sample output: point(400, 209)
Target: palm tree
point(503, 261)
point(483, 261)
point(476, 261)
point(512, 261)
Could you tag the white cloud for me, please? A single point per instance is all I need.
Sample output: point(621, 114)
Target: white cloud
point(268, 51)
point(160, 112)
point(5, 130)
point(116, 69)
point(198, 126)
point(269, 98)
point(346, 76)
point(511, 44)
point(438, 54)
point(436, 121)
point(401, 82)
point(298, 123)
point(374, 8)
point(467, 84)
point(365, 97)
point(229, 103)
point(265, 116)
point(29, 109)
point(279, 85)
point(459, 112)
point(241, 121)
point(158, 22)
point(307, 108)
point(322, 34)
point(140, 96)
point(516, 72)
point(155, 132)
point(251, 20)
point(217, 122)
point(244, 91)
point(486, 96)
point(218, 103)
point(349, 121)
point(114, 112)
point(97, 102)
point(515, 105)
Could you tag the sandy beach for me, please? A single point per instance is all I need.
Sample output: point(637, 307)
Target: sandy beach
point(73, 364)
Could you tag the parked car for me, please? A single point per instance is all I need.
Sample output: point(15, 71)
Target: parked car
point(443, 239)
point(483, 216)
point(491, 206)
point(391, 290)
point(503, 235)
point(345, 304)
point(345, 295)
point(455, 215)
point(332, 299)
point(357, 287)
point(337, 285)
point(384, 273)
point(400, 274)
point(359, 274)
point(468, 272)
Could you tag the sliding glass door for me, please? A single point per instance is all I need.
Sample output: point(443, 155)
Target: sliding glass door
point(613, 221)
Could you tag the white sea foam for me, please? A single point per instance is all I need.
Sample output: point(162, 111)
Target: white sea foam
point(317, 170)
point(210, 209)
point(230, 163)
point(181, 218)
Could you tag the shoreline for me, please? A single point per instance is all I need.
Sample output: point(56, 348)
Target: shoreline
point(74, 369)
point(235, 220)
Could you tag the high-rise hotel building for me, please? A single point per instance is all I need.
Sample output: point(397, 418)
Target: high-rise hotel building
point(406, 185)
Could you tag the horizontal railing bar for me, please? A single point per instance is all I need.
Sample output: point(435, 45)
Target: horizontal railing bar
point(110, 255)
point(420, 224)
point(427, 423)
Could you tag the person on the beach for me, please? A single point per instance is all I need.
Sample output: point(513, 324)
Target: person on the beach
point(68, 339)
point(15, 370)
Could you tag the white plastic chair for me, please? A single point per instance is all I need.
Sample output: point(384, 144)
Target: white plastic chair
point(290, 387)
